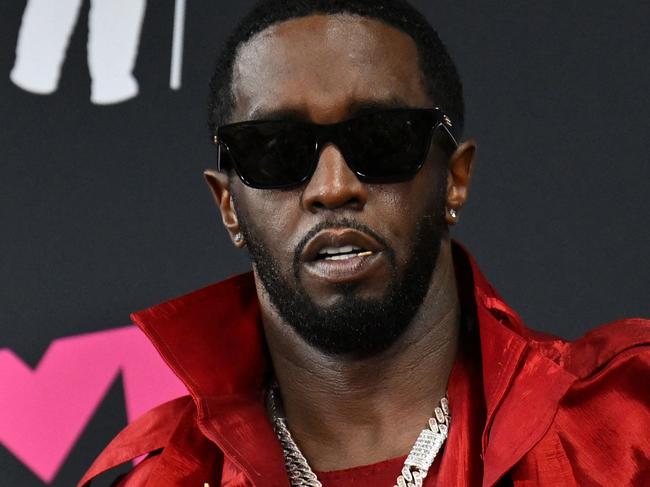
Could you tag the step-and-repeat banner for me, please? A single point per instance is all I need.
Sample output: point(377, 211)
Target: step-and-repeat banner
point(103, 208)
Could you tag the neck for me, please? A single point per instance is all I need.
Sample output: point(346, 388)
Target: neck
point(349, 412)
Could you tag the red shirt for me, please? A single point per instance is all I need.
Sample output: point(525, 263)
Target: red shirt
point(527, 409)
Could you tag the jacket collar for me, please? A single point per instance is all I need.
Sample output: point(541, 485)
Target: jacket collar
point(522, 387)
point(212, 340)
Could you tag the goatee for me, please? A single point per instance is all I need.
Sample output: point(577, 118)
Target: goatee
point(354, 326)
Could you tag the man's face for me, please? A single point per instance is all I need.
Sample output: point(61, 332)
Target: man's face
point(324, 69)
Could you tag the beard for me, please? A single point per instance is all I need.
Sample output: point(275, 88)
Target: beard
point(355, 326)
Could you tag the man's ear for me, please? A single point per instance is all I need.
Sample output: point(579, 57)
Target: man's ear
point(459, 176)
point(220, 188)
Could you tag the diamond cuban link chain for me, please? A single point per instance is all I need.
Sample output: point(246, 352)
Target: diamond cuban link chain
point(415, 469)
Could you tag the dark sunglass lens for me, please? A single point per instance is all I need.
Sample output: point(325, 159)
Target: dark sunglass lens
point(270, 154)
point(388, 146)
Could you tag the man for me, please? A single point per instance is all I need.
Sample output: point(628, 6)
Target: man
point(366, 348)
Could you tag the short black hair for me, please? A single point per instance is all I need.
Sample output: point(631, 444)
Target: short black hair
point(440, 73)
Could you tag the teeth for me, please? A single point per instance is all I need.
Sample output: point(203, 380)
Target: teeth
point(340, 257)
point(347, 256)
point(338, 250)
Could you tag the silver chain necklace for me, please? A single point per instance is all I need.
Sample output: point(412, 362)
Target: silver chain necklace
point(415, 469)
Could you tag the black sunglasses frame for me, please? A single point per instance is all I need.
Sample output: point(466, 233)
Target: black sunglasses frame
point(441, 132)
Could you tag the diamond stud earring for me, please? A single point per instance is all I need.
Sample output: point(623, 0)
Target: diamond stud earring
point(452, 213)
point(239, 238)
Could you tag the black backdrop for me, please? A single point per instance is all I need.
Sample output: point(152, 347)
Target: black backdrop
point(103, 209)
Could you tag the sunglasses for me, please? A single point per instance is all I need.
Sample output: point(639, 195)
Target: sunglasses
point(383, 146)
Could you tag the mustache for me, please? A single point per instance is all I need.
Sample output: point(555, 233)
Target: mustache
point(337, 223)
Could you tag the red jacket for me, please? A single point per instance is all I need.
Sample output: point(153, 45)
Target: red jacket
point(555, 413)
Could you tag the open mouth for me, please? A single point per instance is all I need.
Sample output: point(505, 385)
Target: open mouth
point(342, 253)
point(339, 244)
point(339, 255)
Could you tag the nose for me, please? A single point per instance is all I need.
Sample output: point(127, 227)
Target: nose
point(334, 185)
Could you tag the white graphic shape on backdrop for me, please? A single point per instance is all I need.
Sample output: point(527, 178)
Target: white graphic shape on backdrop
point(114, 28)
point(177, 46)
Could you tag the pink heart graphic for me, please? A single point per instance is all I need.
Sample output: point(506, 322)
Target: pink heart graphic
point(45, 410)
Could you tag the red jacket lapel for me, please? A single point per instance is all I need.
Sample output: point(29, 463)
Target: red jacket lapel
point(522, 387)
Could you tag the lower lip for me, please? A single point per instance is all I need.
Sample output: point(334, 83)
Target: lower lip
point(344, 270)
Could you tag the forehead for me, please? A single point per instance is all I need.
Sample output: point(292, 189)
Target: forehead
point(322, 66)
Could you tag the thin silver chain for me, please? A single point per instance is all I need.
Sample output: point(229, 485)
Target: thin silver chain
point(415, 469)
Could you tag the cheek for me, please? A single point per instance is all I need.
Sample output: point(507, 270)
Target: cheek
point(270, 215)
point(399, 208)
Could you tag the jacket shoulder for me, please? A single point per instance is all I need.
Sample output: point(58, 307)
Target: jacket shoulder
point(602, 420)
point(596, 349)
point(149, 433)
point(606, 345)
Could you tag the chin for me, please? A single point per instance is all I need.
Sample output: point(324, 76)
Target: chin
point(325, 295)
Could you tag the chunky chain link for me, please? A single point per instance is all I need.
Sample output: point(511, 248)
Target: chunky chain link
point(297, 467)
point(417, 464)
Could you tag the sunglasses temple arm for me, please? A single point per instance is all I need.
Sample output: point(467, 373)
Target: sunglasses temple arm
point(219, 157)
point(451, 136)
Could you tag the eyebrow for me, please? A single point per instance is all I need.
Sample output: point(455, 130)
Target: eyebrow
point(296, 114)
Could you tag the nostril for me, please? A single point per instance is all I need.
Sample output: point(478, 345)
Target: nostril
point(354, 203)
point(320, 204)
